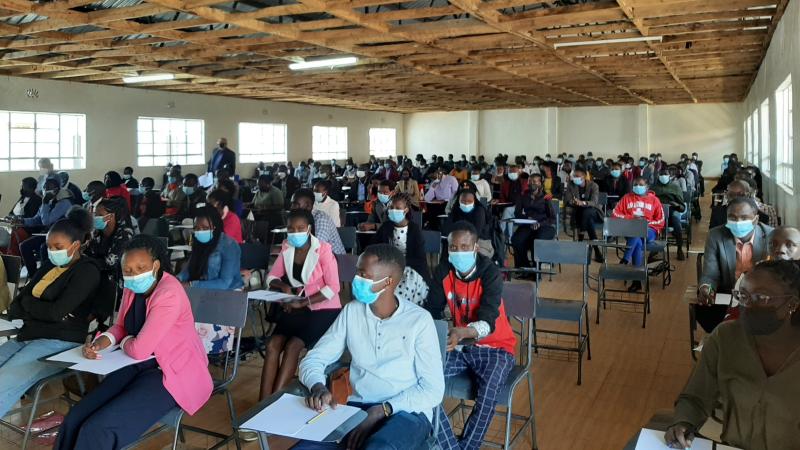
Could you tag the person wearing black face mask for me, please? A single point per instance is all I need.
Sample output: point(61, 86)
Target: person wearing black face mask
point(29, 201)
point(749, 367)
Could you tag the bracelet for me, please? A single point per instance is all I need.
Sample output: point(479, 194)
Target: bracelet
point(387, 409)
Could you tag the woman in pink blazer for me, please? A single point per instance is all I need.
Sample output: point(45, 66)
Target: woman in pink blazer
point(155, 319)
point(305, 267)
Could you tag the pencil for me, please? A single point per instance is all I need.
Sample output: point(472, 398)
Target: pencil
point(314, 419)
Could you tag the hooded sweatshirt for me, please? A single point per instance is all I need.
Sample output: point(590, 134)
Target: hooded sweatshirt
point(647, 207)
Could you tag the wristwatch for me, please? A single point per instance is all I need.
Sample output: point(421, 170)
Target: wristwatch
point(387, 409)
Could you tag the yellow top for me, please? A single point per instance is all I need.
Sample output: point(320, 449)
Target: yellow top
point(548, 186)
point(47, 280)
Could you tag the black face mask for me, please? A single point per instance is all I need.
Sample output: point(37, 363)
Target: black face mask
point(760, 321)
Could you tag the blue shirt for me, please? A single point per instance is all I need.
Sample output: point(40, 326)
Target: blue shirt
point(48, 215)
point(223, 270)
point(395, 360)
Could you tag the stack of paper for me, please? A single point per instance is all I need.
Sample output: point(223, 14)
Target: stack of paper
point(289, 416)
point(654, 440)
point(271, 296)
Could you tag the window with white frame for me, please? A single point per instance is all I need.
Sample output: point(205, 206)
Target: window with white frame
point(26, 137)
point(163, 140)
point(383, 142)
point(328, 143)
point(754, 137)
point(262, 142)
point(765, 150)
point(748, 138)
point(785, 135)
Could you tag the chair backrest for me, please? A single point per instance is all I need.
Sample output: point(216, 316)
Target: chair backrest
point(667, 211)
point(613, 227)
point(416, 217)
point(348, 236)
point(164, 240)
point(556, 204)
point(255, 256)
point(442, 328)
point(13, 266)
point(602, 199)
point(347, 267)
point(558, 252)
point(519, 304)
point(433, 241)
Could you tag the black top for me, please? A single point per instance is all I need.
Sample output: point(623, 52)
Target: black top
point(134, 319)
point(536, 208)
point(31, 208)
point(226, 161)
point(415, 246)
point(297, 271)
point(479, 217)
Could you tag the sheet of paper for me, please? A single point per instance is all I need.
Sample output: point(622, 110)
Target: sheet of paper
point(110, 362)
point(206, 181)
point(181, 248)
point(524, 221)
point(289, 415)
point(271, 296)
point(75, 355)
point(654, 440)
point(10, 326)
point(722, 299)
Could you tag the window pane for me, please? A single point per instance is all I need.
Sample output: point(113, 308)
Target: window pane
point(262, 142)
point(169, 141)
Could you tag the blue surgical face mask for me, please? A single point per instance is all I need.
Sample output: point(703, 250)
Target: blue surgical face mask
point(188, 190)
point(203, 236)
point(319, 197)
point(172, 180)
point(513, 176)
point(59, 257)
point(139, 284)
point(100, 223)
point(462, 261)
point(86, 196)
point(725, 159)
point(362, 290)
point(297, 240)
point(475, 177)
point(664, 179)
point(639, 189)
point(466, 207)
point(616, 173)
point(578, 181)
point(642, 163)
point(383, 198)
point(396, 215)
point(740, 228)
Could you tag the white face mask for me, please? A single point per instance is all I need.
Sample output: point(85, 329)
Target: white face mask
point(319, 197)
point(360, 173)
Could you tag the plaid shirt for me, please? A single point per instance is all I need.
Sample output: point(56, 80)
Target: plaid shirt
point(770, 211)
point(326, 231)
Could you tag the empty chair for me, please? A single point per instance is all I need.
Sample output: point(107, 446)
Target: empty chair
point(348, 236)
point(433, 246)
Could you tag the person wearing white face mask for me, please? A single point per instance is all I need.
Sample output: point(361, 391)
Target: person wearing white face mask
point(469, 209)
point(484, 190)
point(55, 307)
point(45, 171)
point(323, 202)
point(306, 268)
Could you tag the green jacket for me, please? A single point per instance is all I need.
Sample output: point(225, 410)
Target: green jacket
point(669, 194)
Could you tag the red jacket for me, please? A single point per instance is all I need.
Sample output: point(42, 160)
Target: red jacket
point(119, 191)
point(648, 207)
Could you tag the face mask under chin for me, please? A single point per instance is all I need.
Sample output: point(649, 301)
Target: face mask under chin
point(760, 321)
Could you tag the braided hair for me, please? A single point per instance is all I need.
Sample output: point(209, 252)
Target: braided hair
point(198, 261)
point(155, 247)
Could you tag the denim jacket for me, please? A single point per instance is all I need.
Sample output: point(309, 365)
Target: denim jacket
point(223, 267)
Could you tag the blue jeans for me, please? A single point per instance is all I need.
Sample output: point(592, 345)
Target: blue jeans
point(20, 367)
point(635, 250)
point(401, 431)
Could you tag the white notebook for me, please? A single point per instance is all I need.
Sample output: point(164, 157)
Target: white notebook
point(289, 416)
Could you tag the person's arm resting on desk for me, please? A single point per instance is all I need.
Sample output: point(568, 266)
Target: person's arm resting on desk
point(328, 350)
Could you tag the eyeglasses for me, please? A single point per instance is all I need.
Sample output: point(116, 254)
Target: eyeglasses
point(748, 299)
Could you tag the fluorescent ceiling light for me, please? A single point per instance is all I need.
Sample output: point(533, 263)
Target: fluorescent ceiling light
point(330, 62)
point(609, 41)
point(147, 78)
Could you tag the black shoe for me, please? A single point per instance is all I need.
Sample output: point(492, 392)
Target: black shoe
point(623, 261)
point(598, 256)
point(681, 256)
point(635, 286)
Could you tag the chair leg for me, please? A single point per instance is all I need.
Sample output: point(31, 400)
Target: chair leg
point(232, 412)
point(534, 446)
point(507, 440)
point(37, 394)
point(588, 341)
point(535, 343)
point(178, 435)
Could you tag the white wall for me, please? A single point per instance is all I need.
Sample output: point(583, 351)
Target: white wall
point(782, 60)
point(111, 114)
point(709, 129)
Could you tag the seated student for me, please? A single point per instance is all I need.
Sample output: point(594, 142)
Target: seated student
point(670, 194)
point(151, 220)
point(77, 197)
point(128, 179)
point(147, 184)
point(155, 319)
point(584, 197)
point(442, 188)
point(324, 203)
point(404, 234)
point(359, 185)
point(396, 375)
point(469, 209)
point(470, 286)
point(29, 201)
point(223, 202)
point(46, 170)
point(55, 307)
point(116, 188)
point(214, 262)
point(269, 198)
point(409, 186)
point(94, 193)
point(616, 185)
point(482, 187)
point(305, 267)
point(532, 205)
point(551, 183)
point(378, 214)
point(194, 195)
point(175, 196)
point(730, 251)
point(112, 232)
point(749, 367)
point(642, 203)
point(324, 229)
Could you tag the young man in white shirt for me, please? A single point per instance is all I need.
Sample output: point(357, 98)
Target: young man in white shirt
point(484, 189)
point(396, 367)
point(323, 202)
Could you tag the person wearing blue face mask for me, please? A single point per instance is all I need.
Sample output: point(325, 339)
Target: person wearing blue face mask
point(194, 196)
point(669, 193)
point(616, 185)
point(583, 197)
point(174, 195)
point(214, 262)
point(154, 319)
point(396, 372)
point(306, 268)
point(54, 305)
point(404, 234)
point(379, 207)
point(113, 230)
point(467, 208)
point(470, 286)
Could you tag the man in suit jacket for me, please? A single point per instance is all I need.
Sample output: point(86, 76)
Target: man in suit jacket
point(222, 158)
point(731, 250)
